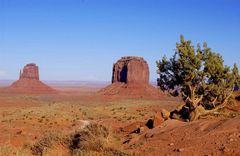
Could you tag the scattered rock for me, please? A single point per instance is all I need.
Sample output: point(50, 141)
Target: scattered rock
point(150, 124)
point(226, 149)
point(157, 119)
point(222, 148)
point(126, 141)
point(19, 132)
point(148, 135)
point(133, 127)
point(165, 114)
point(137, 131)
point(142, 129)
point(179, 149)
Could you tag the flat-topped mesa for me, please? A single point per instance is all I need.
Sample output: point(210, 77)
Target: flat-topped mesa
point(30, 71)
point(131, 70)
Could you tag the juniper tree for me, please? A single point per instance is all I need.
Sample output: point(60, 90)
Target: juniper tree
point(199, 76)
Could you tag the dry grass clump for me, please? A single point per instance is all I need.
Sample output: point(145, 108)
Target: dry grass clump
point(90, 140)
point(48, 141)
point(94, 138)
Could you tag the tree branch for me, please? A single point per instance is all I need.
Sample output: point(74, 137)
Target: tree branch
point(219, 106)
point(214, 101)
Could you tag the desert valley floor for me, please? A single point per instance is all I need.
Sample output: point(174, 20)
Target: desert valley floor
point(49, 125)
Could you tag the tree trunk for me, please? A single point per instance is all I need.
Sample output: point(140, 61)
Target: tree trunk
point(194, 115)
point(192, 109)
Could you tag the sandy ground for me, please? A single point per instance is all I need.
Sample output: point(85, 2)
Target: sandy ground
point(26, 118)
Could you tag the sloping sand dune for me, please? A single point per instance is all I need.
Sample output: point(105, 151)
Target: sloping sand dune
point(203, 137)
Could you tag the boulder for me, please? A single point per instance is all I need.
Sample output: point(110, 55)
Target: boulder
point(157, 119)
point(165, 114)
point(132, 127)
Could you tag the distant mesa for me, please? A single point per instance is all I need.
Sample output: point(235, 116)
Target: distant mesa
point(29, 82)
point(130, 78)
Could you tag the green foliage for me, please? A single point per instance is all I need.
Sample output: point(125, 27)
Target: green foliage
point(198, 75)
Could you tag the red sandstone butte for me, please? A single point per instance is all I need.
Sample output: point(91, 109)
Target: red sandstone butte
point(29, 82)
point(30, 71)
point(130, 78)
point(131, 70)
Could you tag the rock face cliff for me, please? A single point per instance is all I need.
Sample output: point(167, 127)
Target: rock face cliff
point(30, 71)
point(29, 82)
point(130, 78)
point(131, 70)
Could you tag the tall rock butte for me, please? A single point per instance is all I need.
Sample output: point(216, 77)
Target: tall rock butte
point(130, 78)
point(130, 70)
point(29, 82)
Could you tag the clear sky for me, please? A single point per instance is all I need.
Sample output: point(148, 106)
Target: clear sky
point(81, 39)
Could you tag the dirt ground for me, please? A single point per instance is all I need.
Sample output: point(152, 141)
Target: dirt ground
point(26, 119)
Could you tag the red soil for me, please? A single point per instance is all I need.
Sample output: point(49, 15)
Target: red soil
point(15, 103)
point(132, 90)
point(29, 86)
point(203, 137)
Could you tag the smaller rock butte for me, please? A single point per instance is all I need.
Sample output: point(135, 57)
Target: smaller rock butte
point(130, 78)
point(30, 71)
point(29, 82)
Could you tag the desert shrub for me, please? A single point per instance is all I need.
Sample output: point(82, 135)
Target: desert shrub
point(94, 138)
point(199, 76)
point(48, 140)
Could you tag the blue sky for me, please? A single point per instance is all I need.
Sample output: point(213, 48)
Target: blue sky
point(81, 39)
